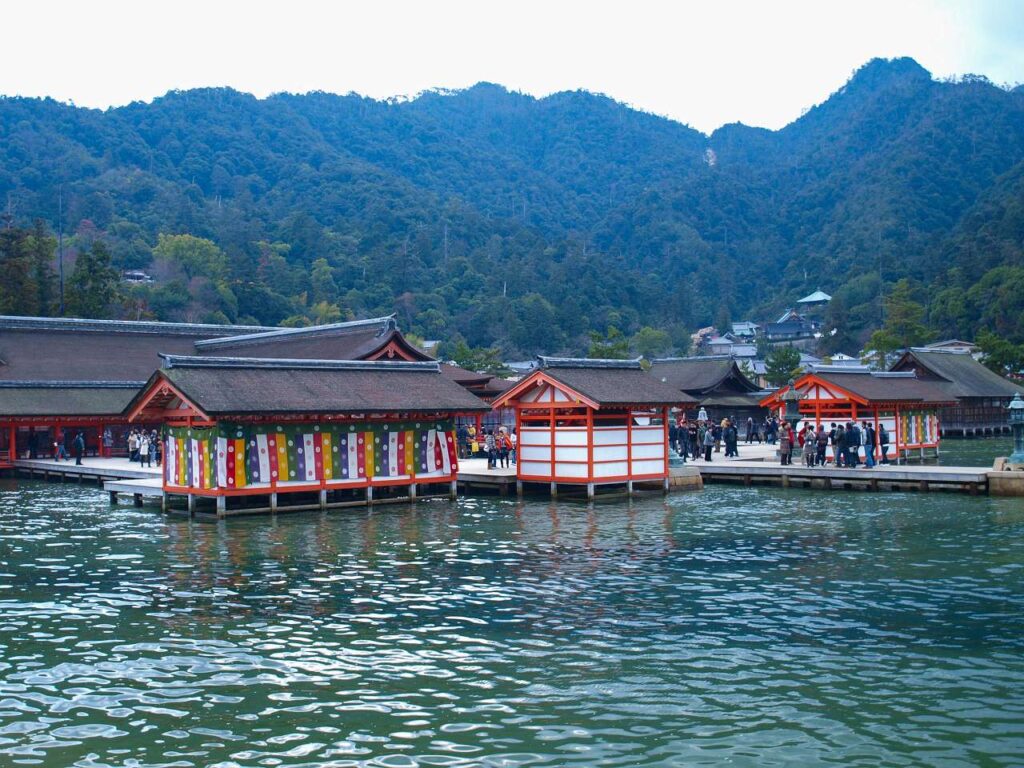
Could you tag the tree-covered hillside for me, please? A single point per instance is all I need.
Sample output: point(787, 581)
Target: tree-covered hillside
point(523, 222)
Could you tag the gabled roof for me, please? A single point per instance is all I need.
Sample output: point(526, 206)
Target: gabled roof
point(599, 383)
point(221, 387)
point(870, 387)
point(876, 387)
point(962, 375)
point(700, 375)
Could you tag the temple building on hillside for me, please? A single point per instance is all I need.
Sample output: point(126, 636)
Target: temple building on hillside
point(243, 431)
point(979, 397)
point(716, 384)
point(907, 406)
point(61, 376)
point(591, 422)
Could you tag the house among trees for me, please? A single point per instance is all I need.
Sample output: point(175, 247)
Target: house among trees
point(242, 432)
point(90, 369)
point(816, 299)
point(791, 326)
point(979, 397)
point(716, 384)
point(592, 422)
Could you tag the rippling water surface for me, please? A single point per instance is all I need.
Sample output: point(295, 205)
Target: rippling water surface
point(734, 626)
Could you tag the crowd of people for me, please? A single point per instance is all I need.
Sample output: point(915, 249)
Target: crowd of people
point(144, 447)
point(498, 446)
point(702, 438)
point(847, 442)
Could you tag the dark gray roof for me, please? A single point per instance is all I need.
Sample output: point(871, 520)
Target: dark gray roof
point(612, 382)
point(62, 349)
point(65, 398)
point(887, 387)
point(701, 375)
point(962, 375)
point(249, 386)
point(10, 322)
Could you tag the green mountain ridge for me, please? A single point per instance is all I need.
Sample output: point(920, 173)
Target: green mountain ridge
point(506, 219)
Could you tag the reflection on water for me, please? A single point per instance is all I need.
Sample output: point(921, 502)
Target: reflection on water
point(745, 626)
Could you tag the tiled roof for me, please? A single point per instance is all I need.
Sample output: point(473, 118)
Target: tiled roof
point(962, 374)
point(886, 387)
point(699, 375)
point(612, 382)
point(249, 386)
point(65, 398)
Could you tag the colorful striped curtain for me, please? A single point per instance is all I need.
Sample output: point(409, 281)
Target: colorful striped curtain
point(189, 457)
point(310, 453)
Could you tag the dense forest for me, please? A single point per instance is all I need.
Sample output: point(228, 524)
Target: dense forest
point(535, 225)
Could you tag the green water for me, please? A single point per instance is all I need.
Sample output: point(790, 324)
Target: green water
point(734, 626)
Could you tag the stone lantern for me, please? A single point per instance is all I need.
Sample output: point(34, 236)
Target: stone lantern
point(792, 413)
point(1016, 419)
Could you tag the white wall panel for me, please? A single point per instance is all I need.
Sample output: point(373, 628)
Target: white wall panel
point(609, 435)
point(563, 453)
point(571, 470)
point(538, 468)
point(570, 436)
point(609, 452)
point(648, 467)
point(535, 452)
point(614, 469)
point(649, 451)
point(533, 436)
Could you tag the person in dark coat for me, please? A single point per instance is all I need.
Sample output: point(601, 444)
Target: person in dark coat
point(79, 448)
point(841, 448)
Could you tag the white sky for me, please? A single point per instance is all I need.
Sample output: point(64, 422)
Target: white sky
point(703, 63)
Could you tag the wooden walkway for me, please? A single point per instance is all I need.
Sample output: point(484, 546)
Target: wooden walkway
point(889, 477)
point(756, 465)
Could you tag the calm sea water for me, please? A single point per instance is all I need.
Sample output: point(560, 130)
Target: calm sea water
point(734, 626)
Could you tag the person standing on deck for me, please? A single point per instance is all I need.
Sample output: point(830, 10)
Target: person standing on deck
point(504, 446)
point(883, 442)
point(79, 448)
point(821, 445)
point(853, 443)
point(490, 447)
point(709, 441)
point(840, 447)
point(868, 435)
point(785, 446)
point(515, 445)
point(693, 435)
point(144, 451)
point(60, 447)
point(673, 435)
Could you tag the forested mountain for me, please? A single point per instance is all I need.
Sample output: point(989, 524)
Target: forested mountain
point(524, 222)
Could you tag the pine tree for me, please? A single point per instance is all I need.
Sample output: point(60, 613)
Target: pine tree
point(93, 288)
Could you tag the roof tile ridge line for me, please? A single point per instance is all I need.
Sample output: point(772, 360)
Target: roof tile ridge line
point(284, 363)
point(690, 357)
point(15, 322)
point(589, 362)
point(68, 384)
point(387, 322)
point(934, 351)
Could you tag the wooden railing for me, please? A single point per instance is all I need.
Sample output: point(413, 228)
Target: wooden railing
point(973, 417)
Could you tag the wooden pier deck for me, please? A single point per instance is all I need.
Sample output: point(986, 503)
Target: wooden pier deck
point(970, 480)
point(756, 465)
